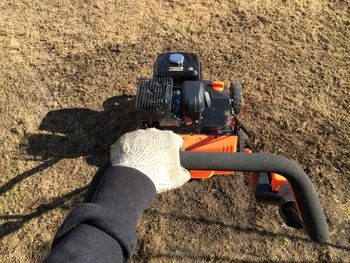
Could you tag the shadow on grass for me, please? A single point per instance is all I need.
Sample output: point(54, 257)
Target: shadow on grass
point(11, 226)
point(188, 256)
point(11, 183)
point(250, 230)
point(76, 132)
point(71, 133)
point(88, 191)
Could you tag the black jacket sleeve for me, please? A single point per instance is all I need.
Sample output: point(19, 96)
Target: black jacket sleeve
point(104, 230)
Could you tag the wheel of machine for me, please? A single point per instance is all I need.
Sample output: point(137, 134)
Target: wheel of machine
point(237, 95)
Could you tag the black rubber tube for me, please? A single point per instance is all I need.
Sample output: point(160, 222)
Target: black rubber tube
point(305, 193)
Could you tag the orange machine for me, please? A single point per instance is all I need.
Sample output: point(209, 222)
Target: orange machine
point(205, 114)
point(209, 143)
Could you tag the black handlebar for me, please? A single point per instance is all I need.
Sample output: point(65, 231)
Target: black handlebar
point(304, 191)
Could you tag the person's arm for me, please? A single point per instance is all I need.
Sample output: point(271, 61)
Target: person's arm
point(104, 230)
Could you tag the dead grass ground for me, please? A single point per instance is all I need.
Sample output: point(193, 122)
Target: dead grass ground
point(292, 57)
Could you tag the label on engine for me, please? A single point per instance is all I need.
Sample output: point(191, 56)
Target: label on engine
point(176, 68)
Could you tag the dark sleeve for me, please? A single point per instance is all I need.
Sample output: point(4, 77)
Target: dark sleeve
point(104, 230)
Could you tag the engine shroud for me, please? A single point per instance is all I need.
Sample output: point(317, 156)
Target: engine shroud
point(176, 97)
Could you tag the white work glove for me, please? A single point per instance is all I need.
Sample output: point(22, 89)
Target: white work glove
point(154, 153)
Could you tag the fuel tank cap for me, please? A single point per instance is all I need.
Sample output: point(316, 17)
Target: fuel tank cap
point(176, 59)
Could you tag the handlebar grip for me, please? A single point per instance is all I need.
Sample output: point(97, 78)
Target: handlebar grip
point(304, 191)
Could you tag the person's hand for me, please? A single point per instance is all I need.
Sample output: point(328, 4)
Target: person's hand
point(154, 153)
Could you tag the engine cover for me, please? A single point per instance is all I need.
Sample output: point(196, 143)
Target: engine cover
point(176, 97)
point(193, 99)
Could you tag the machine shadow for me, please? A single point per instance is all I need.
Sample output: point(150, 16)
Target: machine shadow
point(80, 132)
point(72, 133)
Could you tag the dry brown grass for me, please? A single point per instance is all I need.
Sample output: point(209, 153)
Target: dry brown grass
point(292, 57)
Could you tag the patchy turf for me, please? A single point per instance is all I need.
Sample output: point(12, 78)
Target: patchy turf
point(61, 60)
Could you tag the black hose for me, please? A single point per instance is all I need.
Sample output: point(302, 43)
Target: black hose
point(305, 193)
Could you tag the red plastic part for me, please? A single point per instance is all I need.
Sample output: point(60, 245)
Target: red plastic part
point(276, 181)
point(218, 86)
